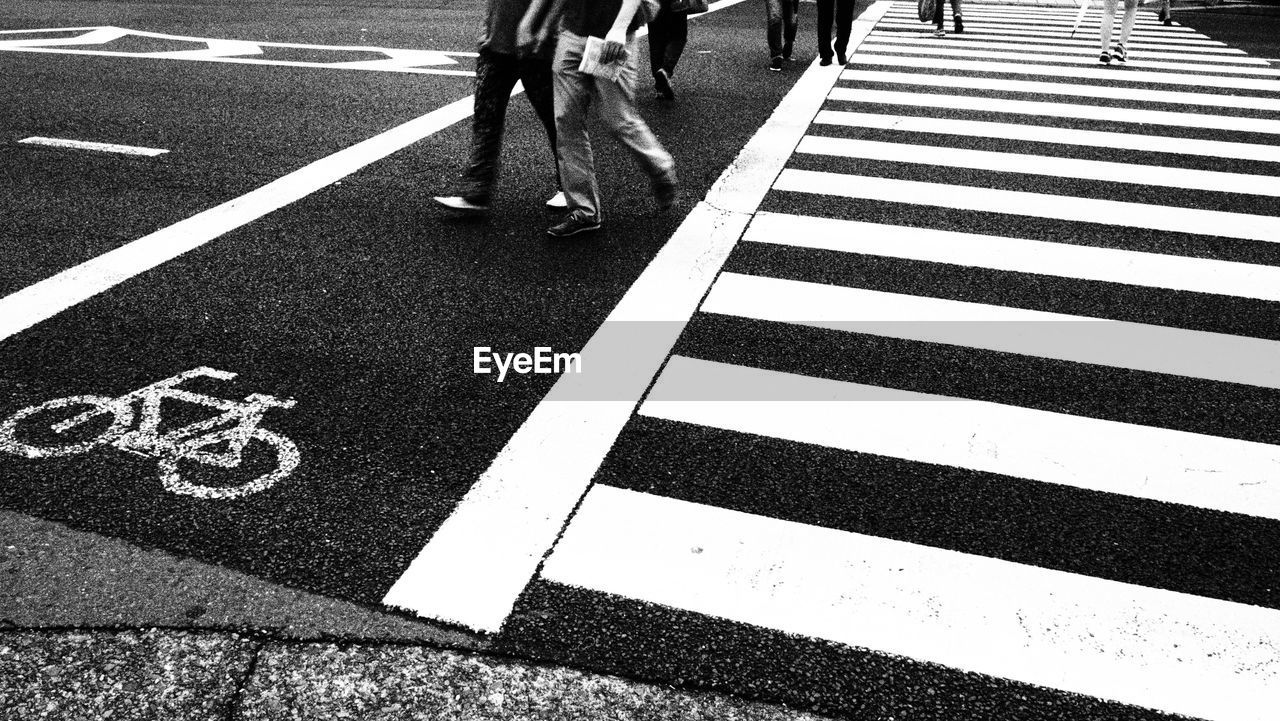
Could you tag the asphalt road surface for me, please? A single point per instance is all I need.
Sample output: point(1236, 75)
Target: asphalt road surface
point(949, 391)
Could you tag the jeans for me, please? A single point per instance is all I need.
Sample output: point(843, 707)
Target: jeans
point(496, 75)
point(668, 34)
point(841, 11)
point(781, 16)
point(574, 91)
point(937, 11)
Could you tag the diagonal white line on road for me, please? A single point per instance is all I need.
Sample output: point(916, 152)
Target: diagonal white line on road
point(1102, 113)
point(1037, 205)
point(1070, 58)
point(1078, 339)
point(1244, 102)
point(1019, 255)
point(1045, 23)
point(1088, 72)
point(1029, 164)
point(1052, 134)
point(1222, 474)
point(914, 27)
point(973, 39)
point(1149, 647)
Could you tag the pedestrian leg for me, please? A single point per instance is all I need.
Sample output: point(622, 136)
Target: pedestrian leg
point(791, 23)
point(537, 77)
point(676, 40)
point(1108, 19)
point(773, 31)
point(826, 14)
point(573, 90)
point(618, 111)
point(844, 26)
point(496, 75)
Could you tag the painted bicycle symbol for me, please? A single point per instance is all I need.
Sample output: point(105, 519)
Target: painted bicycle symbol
point(79, 424)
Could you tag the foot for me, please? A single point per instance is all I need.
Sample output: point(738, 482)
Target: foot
point(776, 64)
point(461, 204)
point(666, 192)
point(662, 83)
point(558, 201)
point(1118, 53)
point(842, 58)
point(940, 32)
point(825, 61)
point(573, 224)
point(1105, 57)
point(959, 24)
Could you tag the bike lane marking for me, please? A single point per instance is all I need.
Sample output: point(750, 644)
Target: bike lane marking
point(87, 145)
point(480, 560)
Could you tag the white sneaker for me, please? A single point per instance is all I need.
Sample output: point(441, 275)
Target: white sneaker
point(455, 202)
point(558, 201)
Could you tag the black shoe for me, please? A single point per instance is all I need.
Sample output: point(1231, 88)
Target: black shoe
point(573, 224)
point(776, 64)
point(662, 83)
point(1105, 57)
point(666, 192)
point(959, 24)
point(1118, 53)
point(844, 59)
point(825, 61)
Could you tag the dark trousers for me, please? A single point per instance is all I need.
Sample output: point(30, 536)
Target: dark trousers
point(841, 12)
point(496, 75)
point(782, 18)
point(937, 11)
point(668, 34)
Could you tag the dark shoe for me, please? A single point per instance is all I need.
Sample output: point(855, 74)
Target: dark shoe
point(939, 32)
point(959, 24)
point(666, 192)
point(842, 58)
point(463, 205)
point(1105, 57)
point(573, 224)
point(662, 83)
point(1118, 53)
point(825, 61)
point(776, 64)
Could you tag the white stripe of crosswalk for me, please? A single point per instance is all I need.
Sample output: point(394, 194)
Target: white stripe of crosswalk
point(972, 38)
point(898, 28)
point(1148, 647)
point(907, 49)
point(1045, 24)
point(1059, 110)
point(1052, 134)
point(1037, 205)
point(1029, 164)
point(1090, 72)
point(1019, 255)
point(1078, 339)
point(1244, 102)
point(911, 40)
point(1159, 464)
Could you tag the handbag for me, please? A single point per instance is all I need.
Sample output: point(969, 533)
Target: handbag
point(927, 8)
point(692, 7)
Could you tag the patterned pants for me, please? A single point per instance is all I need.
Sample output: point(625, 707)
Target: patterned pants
point(496, 75)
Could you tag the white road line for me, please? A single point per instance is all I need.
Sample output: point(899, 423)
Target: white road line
point(1078, 339)
point(86, 145)
point(1136, 62)
point(1029, 164)
point(1091, 72)
point(1011, 31)
point(1051, 134)
point(969, 39)
point(956, 82)
point(1046, 24)
point(1103, 113)
point(1039, 19)
point(1160, 464)
point(476, 565)
point(1091, 52)
point(1037, 205)
point(1020, 255)
point(1148, 647)
point(45, 299)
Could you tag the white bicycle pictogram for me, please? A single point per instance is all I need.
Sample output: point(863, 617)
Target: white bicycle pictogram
point(234, 427)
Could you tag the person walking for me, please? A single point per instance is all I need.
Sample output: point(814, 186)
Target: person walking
point(1126, 26)
point(939, 26)
point(1166, 12)
point(782, 20)
point(498, 67)
point(668, 34)
point(839, 12)
point(612, 24)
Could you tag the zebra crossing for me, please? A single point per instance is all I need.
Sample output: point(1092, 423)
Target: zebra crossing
point(1054, 189)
